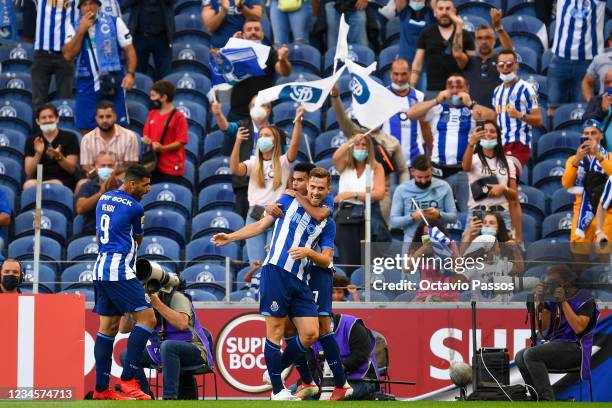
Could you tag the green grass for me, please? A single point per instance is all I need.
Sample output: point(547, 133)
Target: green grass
point(265, 404)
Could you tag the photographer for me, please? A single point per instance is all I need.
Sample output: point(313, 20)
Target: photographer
point(11, 276)
point(566, 317)
point(179, 339)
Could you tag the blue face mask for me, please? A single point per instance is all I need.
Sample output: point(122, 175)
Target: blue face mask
point(488, 143)
point(455, 100)
point(488, 231)
point(608, 90)
point(104, 173)
point(265, 144)
point(360, 155)
point(417, 6)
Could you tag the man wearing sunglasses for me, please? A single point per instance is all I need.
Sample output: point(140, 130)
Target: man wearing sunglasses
point(481, 70)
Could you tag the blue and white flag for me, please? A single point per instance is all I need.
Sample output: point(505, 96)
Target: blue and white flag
point(238, 60)
point(373, 104)
point(311, 94)
point(440, 243)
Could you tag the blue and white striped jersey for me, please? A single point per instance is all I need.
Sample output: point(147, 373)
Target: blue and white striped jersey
point(524, 98)
point(52, 20)
point(297, 229)
point(119, 217)
point(451, 128)
point(579, 29)
point(606, 197)
point(407, 131)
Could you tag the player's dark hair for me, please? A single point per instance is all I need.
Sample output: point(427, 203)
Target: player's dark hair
point(304, 167)
point(46, 106)
point(163, 87)
point(136, 172)
point(421, 163)
point(104, 104)
point(320, 172)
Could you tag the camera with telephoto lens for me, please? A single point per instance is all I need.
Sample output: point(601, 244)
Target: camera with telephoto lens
point(154, 278)
point(549, 290)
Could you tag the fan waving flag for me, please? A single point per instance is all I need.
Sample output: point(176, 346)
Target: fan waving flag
point(311, 94)
point(440, 243)
point(373, 104)
point(238, 60)
point(342, 52)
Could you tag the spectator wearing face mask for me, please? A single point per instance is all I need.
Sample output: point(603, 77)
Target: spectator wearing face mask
point(6, 211)
point(11, 276)
point(433, 196)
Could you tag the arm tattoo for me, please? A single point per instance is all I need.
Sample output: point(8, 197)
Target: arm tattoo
point(458, 41)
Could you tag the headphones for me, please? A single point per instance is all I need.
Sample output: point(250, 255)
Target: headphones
point(21, 269)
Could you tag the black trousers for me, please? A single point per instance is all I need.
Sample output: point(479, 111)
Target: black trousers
point(44, 66)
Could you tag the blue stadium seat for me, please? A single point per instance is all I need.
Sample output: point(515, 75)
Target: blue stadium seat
point(327, 143)
point(528, 59)
point(167, 223)
point(598, 274)
point(305, 147)
point(192, 148)
point(558, 145)
point(46, 276)
point(213, 221)
point(561, 200)
point(521, 8)
point(189, 28)
point(191, 86)
point(547, 175)
point(358, 277)
point(375, 296)
point(169, 196)
point(460, 186)
point(216, 196)
point(241, 275)
point(392, 32)
point(191, 57)
point(12, 144)
point(297, 77)
point(16, 86)
point(28, 288)
point(481, 9)
point(23, 248)
point(305, 58)
point(161, 249)
point(557, 225)
point(201, 295)
point(456, 228)
point(181, 5)
point(284, 113)
point(548, 250)
point(530, 229)
point(140, 91)
point(83, 248)
point(77, 225)
point(189, 178)
point(11, 173)
point(54, 224)
point(244, 296)
point(202, 249)
point(545, 61)
point(54, 196)
point(204, 273)
point(17, 57)
point(65, 109)
point(569, 116)
point(357, 53)
point(77, 275)
point(527, 31)
point(537, 272)
point(386, 58)
point(538, 82)
point(215, 170)
point(138, 112)
point(15, 114)
point(10, 197)
point(195, 113)
point(339, 271)
point(533, 202)
point(526, 175)
point(329, 166)
point(472, 21)
point(213, 143)
point(86, 292)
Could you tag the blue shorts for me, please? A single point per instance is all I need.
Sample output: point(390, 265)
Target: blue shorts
point(283, 294)
point(85, 110)
point(322, 285)
point(114, 298)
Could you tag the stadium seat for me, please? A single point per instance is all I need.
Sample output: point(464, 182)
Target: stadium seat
point(297, 77)
point(557, 225)
point(17, 57)
point(569, 116)
point(521, 8)
point(189, 28)
point(561, 200)
point(528, 59)
point(78, 275)
point(53, 224)
point(339, 271)
point(191, 86)
point(140, 91)
point(15, 114)
point(357, 53)
point(526, 175)
point(138, 112)
point(12, 144)
point(460, 186)
point(182, 5)
point(358, 278)
point(203, 249)
point(386, 58)
point(11, 198)
point(530, 229)
point(192, 148)
point(533, 203)
point(65, 109)
point(538, 82)
point(167, 223)
point(547, 251)
point(327, 164)
point(558, 145)
point(327, 143)
point(205, 273)
point(595, 275)
point(16, 86)
point(375, 296)
point(169, 196)
point(195, 113)
point(83, 248)
point(478, 8)
point(547, 175)
point(244, 296)
point(201, 295)
point(11, 173)
point(213, 143)
point(164, 250)
point(189, 178)
point(407, 296)
point(527, 31)
point(472, 21)
point(23, 248)
point(537, 272)
point(545, 61)
point(191, 57)
point(456, 228)
point(284, 113)
point(54, 197)
point(213, 221)
point(304, 58)
point(216, 196)
point(215, 170)
point(46, 276)
point(87, 293)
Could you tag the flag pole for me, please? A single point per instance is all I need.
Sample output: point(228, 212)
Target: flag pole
point(419, 210)
point(368, 233)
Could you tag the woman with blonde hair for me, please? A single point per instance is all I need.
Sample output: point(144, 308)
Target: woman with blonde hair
point(350, 161)
point(268, 172)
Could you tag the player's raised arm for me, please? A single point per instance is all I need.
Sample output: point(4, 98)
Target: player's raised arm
point(248, 231)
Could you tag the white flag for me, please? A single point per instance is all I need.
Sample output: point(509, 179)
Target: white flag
point(342, 51)
point(311, 94)
point(373, 104)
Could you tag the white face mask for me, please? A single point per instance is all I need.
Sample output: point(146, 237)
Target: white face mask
point(400, 88)
point(508, 77)
point(258, 113)
point(48, 127)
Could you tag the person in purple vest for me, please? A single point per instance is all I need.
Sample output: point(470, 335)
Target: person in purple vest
point(179, 340)
point(566, 317)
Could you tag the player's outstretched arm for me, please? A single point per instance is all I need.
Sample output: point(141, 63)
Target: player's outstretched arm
point(245, 232)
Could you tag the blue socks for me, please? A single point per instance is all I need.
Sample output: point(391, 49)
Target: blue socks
point(272, 355)
point(135, 347)
point(332, 355)
point(103, 353)
point(300, 362)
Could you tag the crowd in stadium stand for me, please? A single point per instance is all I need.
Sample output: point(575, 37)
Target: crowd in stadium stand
point(507, 133)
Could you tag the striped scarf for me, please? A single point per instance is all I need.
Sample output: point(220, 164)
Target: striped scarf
point(587, 212)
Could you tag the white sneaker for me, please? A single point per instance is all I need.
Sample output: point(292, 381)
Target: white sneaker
point(284, 395)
